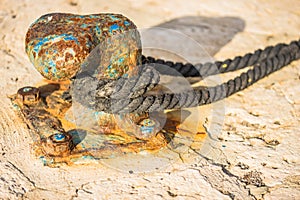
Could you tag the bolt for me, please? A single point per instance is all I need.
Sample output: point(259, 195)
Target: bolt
point(28, 95)
point(148, 128)
point(138, 125)
point(58, 144)
point(58, 137)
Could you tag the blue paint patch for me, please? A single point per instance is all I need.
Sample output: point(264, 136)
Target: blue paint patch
point(46, 70)
point(113, 27)
point(51, 63)
point(83, 25)
point(53, 66)
point(113, 73)
point(121, 60)
point(43, 159)
point(59, 137)
point(114, 18)
point(98, 30)
point(42, 41)
point(88, 157)
point(68, 37)
point(126, 23)
point(147, 130)
point(148, 126)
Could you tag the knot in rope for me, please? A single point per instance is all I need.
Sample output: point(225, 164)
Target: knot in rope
point(129, 95)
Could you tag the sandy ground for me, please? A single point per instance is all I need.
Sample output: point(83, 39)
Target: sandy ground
point(256, 131)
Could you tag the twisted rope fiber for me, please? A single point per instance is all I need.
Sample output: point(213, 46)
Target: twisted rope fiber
point(208, 69)
point(128, 95)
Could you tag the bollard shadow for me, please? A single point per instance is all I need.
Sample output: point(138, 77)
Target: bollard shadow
point(201, 37)
point(78, 135)
point(48, 89)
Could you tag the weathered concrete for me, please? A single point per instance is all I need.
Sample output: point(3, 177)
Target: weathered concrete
point(256, 152)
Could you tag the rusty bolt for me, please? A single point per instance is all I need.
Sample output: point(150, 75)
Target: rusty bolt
point(28, 95)
point(148, 127)
point(58, 144)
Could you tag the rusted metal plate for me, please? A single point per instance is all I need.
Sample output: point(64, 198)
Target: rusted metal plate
point(59, 139)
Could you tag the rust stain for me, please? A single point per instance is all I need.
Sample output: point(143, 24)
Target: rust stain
point(58, 45)
point(47, 117)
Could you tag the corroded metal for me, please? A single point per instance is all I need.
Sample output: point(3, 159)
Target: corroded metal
point(147, 126)
point(58, 144)
point(58, 43)
point(28, 95)
point(59, 140)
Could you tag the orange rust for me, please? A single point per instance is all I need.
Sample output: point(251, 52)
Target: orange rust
point(119, 141)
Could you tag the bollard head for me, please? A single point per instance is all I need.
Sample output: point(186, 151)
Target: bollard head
point(58, 43)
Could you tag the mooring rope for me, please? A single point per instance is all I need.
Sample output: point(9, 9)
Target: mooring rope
point(129, 95)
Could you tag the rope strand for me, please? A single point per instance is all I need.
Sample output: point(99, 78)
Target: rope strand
point(208, 69)
point(128, 95)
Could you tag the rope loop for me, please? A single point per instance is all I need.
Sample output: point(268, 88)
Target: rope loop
point(130, 95)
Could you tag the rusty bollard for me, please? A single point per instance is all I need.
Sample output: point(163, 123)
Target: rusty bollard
point(58, 44)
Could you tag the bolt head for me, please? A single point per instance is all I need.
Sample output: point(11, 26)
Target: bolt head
point(28, 95)
point(59, 137)
point(148, 127)
point(59, 144)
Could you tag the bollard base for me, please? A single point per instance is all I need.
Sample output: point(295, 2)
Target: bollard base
point(59, 140)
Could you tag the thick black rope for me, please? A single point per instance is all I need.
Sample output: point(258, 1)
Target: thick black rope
point(208, 69)
point(129, 95)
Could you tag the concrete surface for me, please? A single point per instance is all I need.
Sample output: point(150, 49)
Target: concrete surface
point(255, 154)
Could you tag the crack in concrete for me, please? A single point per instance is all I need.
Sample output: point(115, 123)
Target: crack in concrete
point(82, 189)
point(211, 184)
point(23, 174)
point(226, 172)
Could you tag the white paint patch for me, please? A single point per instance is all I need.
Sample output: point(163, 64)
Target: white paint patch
point(50, 18)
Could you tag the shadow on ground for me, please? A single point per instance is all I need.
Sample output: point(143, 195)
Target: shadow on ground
point(192, 38)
